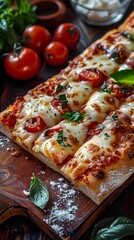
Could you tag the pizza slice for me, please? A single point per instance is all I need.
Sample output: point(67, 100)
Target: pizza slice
point(104, 162)
point(63, 140)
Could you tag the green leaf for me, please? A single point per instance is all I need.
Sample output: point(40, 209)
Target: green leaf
point(115, 116)
point(39, 194)
point(4, 4)
point(60, 88)
point(104, 88)
point(63, 100)
point(14, 21)
point(124, 76)
point(1, 44)
point(115, 56)
point(118, 229)
point(60, 138)
point(74, 116)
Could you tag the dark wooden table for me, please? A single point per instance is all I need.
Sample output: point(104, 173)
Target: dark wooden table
point(19, 227)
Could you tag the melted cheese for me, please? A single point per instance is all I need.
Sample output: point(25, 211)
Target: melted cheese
point(78, 94)
point(73, 137)
point(127, 43)
point(101, 62)
point(35, 107)
point(41, 107)
point(100, 104)
point(83, 157)
point(101, 146)
point(128, 109)
point(77, 131)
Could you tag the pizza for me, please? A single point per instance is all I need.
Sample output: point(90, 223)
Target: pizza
point(80, 122)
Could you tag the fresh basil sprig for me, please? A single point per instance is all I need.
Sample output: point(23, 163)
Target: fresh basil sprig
point(124, 76)
point(74, 116)
point(14, 21)
point(119, 228)
point(39, 194)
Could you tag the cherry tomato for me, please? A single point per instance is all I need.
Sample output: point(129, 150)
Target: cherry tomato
point(35, 124)
point(58, 105)
point(56, 54)
point(22, 66)
point(37, 38)
point(68, 34)
point(93, 75)
point(17, 106)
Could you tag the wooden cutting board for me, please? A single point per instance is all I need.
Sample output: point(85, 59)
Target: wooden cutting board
point(68, 214)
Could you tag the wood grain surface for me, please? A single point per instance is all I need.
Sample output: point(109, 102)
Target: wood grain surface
point(17, 211)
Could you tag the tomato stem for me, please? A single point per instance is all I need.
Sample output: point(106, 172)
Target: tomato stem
point(71, 31)
point(17, 48)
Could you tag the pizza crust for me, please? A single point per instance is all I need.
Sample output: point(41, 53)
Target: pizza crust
point(105, 188)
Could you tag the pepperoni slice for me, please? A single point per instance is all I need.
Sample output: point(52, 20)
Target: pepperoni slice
point(35, 124)
point(93, 75)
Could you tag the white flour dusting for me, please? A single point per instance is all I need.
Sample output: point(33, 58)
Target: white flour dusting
point(63, 211)
point(3, 141)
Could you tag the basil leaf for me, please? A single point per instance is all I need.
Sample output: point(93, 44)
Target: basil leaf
point(115, 116)
point(128, 36)
point(39, 194)
point(60, 138)
point(104, 88)
point(124, 76)
point(118, 229)
point(60, 88)
point(73, 116)
point(115, 56)
point(14, 21)
point(63, 100)
point(3, 5)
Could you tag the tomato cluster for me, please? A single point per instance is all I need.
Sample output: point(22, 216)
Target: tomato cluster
point(37, 41)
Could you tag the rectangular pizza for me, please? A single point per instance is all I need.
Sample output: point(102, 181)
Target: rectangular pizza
point(81, 121)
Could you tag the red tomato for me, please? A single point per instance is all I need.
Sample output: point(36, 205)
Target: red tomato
point(9, 120)
point(17, 106)
point(68, 34)
point(56, 54)
point(22, 66)
point(58, 105)
point(35, 124)
point(37, 38)
point(93, 75)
